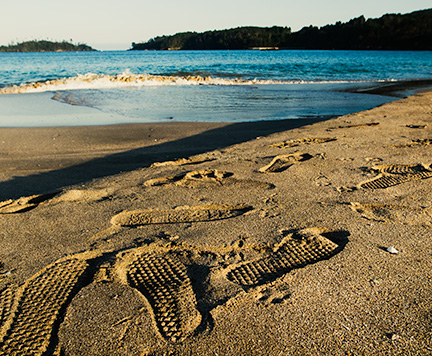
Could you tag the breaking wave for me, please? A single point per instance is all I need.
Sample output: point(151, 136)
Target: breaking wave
point(104, 81)
point(124, 80)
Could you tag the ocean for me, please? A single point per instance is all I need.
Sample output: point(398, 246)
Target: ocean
point(114, 87)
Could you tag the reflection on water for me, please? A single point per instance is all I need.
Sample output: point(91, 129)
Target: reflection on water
point(224, 103)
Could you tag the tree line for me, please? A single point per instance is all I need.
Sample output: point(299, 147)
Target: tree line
point(45, 46)
point(411, 31)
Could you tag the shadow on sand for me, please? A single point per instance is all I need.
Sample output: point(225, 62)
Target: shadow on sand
point(130, 160)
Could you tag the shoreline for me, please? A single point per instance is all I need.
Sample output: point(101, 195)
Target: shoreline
point(43, 109)
point(283, 235)
point(56, 148)
point(398, 89)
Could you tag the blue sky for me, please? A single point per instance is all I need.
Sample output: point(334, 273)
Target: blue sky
point(114, 24)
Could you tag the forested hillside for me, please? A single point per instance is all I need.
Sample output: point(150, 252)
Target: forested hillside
point(411, 31)
point(44, 46)
point(237, 38)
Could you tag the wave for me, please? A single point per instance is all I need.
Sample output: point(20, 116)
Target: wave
point(105, 81)
point(124, 80)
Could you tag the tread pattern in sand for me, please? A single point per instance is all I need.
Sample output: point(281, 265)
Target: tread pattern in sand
point(390, 175)
point(302, 141)
point(6, 301)
point(283, 162)
point(163, 280)
point(24, 203)
point(204, 176)
point(183, 161)
point(298, 250)
point(183, 214)
point(41, 300)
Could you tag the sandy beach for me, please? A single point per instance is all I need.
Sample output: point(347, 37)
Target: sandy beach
point(290, 237)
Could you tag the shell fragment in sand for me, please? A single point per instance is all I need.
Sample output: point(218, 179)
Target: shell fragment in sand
point(392, 250)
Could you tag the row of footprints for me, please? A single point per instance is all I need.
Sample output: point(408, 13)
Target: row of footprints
point(278, 164)
point(388, 175)
point(32, 314)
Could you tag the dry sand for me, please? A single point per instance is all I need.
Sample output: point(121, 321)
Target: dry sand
point(220, 239)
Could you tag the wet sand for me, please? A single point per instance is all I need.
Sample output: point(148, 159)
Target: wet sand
point(272, 238)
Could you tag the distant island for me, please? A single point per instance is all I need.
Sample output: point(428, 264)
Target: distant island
point(411, 31)
point(45, 46)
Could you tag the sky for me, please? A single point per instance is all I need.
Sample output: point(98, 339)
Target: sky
point(114, 24)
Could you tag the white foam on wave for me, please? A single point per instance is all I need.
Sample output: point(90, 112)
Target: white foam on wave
point(127, 79)
point(104, 81)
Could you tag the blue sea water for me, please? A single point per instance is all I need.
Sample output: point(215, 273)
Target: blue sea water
point(56, 89)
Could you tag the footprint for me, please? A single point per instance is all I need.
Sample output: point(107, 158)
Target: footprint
point(84, 195)
point(301, 141)
point(24, 203)
point(393, 213)
point(182, 214)
point(74, 195)
point(183, 161)
point(210, 176)
point(296, 250)
point(38, 307)
point(390, 175)
point(283, 162)
point(205, 176)
point(164, 282)
point(416, 143)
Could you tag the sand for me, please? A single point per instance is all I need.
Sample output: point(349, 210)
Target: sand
point(272, 238)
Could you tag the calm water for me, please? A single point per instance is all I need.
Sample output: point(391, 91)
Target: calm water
point(232, 86)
